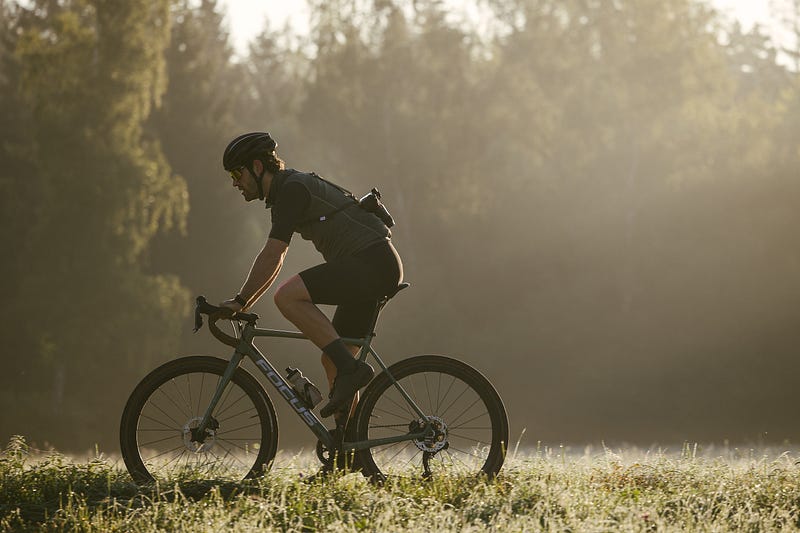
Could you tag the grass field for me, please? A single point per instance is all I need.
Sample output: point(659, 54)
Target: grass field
point(717, 489)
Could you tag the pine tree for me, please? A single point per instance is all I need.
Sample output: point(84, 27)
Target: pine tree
point(91, 72)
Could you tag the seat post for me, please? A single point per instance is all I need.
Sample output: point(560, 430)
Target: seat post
point(382, 301)
point(374, 322)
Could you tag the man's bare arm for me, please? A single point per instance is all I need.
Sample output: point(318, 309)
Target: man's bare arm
point(265, 269)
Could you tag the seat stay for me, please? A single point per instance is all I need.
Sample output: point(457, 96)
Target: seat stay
point(397, 385)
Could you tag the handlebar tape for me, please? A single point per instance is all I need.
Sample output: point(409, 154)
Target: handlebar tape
point(214, 313)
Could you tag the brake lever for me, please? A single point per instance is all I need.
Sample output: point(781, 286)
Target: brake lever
point(214, 312)
point(198, 316)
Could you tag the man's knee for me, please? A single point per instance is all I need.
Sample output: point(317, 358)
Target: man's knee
point(282, 297)
point(291, 291)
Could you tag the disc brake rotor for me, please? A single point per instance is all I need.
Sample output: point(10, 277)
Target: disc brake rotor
point(434, 440)
point(190, 440)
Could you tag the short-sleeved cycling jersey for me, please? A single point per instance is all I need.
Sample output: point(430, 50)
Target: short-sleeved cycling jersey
point(361, 265)
point(301, 202)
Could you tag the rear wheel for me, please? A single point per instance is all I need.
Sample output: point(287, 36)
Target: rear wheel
point(158, 432)
point(468, 430)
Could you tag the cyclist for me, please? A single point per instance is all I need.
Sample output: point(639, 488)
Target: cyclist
point(361, 265)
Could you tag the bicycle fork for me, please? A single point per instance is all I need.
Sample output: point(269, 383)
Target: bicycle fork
point(200, 433)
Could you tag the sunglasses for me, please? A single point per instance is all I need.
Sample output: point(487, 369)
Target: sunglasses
point(236, 174)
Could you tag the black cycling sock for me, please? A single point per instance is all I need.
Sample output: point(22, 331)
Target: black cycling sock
point(340, 355)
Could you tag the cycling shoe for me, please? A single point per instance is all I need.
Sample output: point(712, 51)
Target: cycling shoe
point(346, 385)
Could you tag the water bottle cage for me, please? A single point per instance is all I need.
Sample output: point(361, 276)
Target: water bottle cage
point(302, 386)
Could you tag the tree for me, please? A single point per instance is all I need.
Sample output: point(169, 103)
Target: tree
point(194, 123)
point(91, 72)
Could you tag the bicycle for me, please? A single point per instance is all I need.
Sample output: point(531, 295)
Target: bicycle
point(427, 415)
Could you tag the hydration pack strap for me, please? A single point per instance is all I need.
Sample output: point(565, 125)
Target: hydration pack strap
point(326, 216)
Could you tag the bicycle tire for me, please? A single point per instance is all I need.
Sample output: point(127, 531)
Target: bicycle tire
point(383, 412)
point(160, 406)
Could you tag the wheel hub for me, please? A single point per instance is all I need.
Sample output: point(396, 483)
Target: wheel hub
point(435, 438)
point(199, 443)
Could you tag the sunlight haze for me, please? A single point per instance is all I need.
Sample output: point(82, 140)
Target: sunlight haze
point(246, 18)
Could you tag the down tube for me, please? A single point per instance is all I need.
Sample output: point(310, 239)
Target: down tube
point(290, 396)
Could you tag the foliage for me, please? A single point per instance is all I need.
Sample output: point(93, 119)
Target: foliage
point(89, 74)
point(197, 116)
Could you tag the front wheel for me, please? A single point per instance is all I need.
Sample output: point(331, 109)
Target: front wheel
point(468, 423)
point(158, 436)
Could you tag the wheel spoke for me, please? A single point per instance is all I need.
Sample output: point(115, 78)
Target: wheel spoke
point(177, 459)
point(454, 420)
point(189, 393)
point(166, 452)
point(459, 398)
point(485, 413)
point(236, 445)
point(200, 395)
point(405, 407)
point(238, 429)
point(188, 405)
point(413, 457)
point(178, 407)
point(248, 410)
point(161, 440)
point(438, 390)
point(449, 452)
point(222, 408)
point(162, 423)
point(428, 390)
point(245, 440)
point(466, 388)
point(400, 416)
point(398, 453)
point(166, 414)
point(446, 394)
point(451, 434)
point(232, 456)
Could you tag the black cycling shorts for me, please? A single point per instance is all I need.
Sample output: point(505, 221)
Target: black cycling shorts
point(355, 284)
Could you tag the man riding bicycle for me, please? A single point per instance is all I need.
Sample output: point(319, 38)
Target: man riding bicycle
point(361, 265)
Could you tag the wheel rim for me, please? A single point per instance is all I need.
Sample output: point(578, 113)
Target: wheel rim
point(169, 444)
point(460, 439)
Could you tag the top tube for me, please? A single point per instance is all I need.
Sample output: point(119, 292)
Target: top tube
point(285, 334)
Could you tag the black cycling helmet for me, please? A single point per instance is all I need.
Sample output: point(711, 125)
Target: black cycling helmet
point(246, 148)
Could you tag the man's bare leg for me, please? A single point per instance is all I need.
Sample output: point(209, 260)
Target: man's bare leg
point(294, 301)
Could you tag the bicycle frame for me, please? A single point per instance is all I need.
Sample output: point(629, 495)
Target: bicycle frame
point(248, 332)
